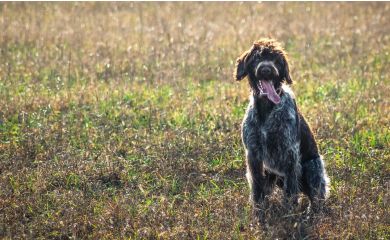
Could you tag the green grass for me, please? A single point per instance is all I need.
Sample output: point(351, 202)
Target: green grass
point(123, 120)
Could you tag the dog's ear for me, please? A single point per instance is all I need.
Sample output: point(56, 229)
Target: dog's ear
point(241, 71)
point(287, 76)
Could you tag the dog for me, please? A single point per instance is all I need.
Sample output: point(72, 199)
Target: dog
point(279, 145)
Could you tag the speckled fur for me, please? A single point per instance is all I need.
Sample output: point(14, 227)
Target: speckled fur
point(272, 147)
point(280, 147)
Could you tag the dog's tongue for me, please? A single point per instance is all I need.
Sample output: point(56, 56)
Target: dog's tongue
point(269, 89)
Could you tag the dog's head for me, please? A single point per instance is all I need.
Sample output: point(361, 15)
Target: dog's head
point(266, 66)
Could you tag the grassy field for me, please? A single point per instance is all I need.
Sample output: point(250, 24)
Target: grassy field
point(123, 120)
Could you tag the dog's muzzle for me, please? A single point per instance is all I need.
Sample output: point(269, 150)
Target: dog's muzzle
point(266, 70)
point(266, 73)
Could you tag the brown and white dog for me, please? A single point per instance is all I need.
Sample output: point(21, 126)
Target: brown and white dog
point(279, 145)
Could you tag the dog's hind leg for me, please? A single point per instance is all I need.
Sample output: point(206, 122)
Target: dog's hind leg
point(315, 181)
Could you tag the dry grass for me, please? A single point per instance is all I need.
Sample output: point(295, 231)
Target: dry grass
point(122, 120)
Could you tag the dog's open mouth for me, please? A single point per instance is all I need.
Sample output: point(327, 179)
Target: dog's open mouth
point(266, 88)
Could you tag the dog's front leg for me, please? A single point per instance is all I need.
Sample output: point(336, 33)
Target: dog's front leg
point(293, 173)
point(256, 177)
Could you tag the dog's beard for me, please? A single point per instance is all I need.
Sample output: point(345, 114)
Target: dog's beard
point(266, 89)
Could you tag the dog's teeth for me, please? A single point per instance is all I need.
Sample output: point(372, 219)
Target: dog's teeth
point(261, 87)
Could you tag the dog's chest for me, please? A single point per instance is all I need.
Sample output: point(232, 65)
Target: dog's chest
point(272, 136)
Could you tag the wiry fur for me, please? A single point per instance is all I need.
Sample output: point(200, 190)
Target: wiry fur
point(280, 147)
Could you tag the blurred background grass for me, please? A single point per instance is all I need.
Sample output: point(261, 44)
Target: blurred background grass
point(123, 120)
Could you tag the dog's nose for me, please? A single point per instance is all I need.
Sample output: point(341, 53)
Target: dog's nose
point(265, 71)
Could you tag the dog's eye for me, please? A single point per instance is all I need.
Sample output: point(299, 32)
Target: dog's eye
point(255, 61)
point(257, 57)
point(279, 62)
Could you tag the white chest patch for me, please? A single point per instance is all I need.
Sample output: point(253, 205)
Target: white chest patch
point(272, 169)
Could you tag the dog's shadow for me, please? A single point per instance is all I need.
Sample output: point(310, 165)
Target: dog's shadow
point(282, 222)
